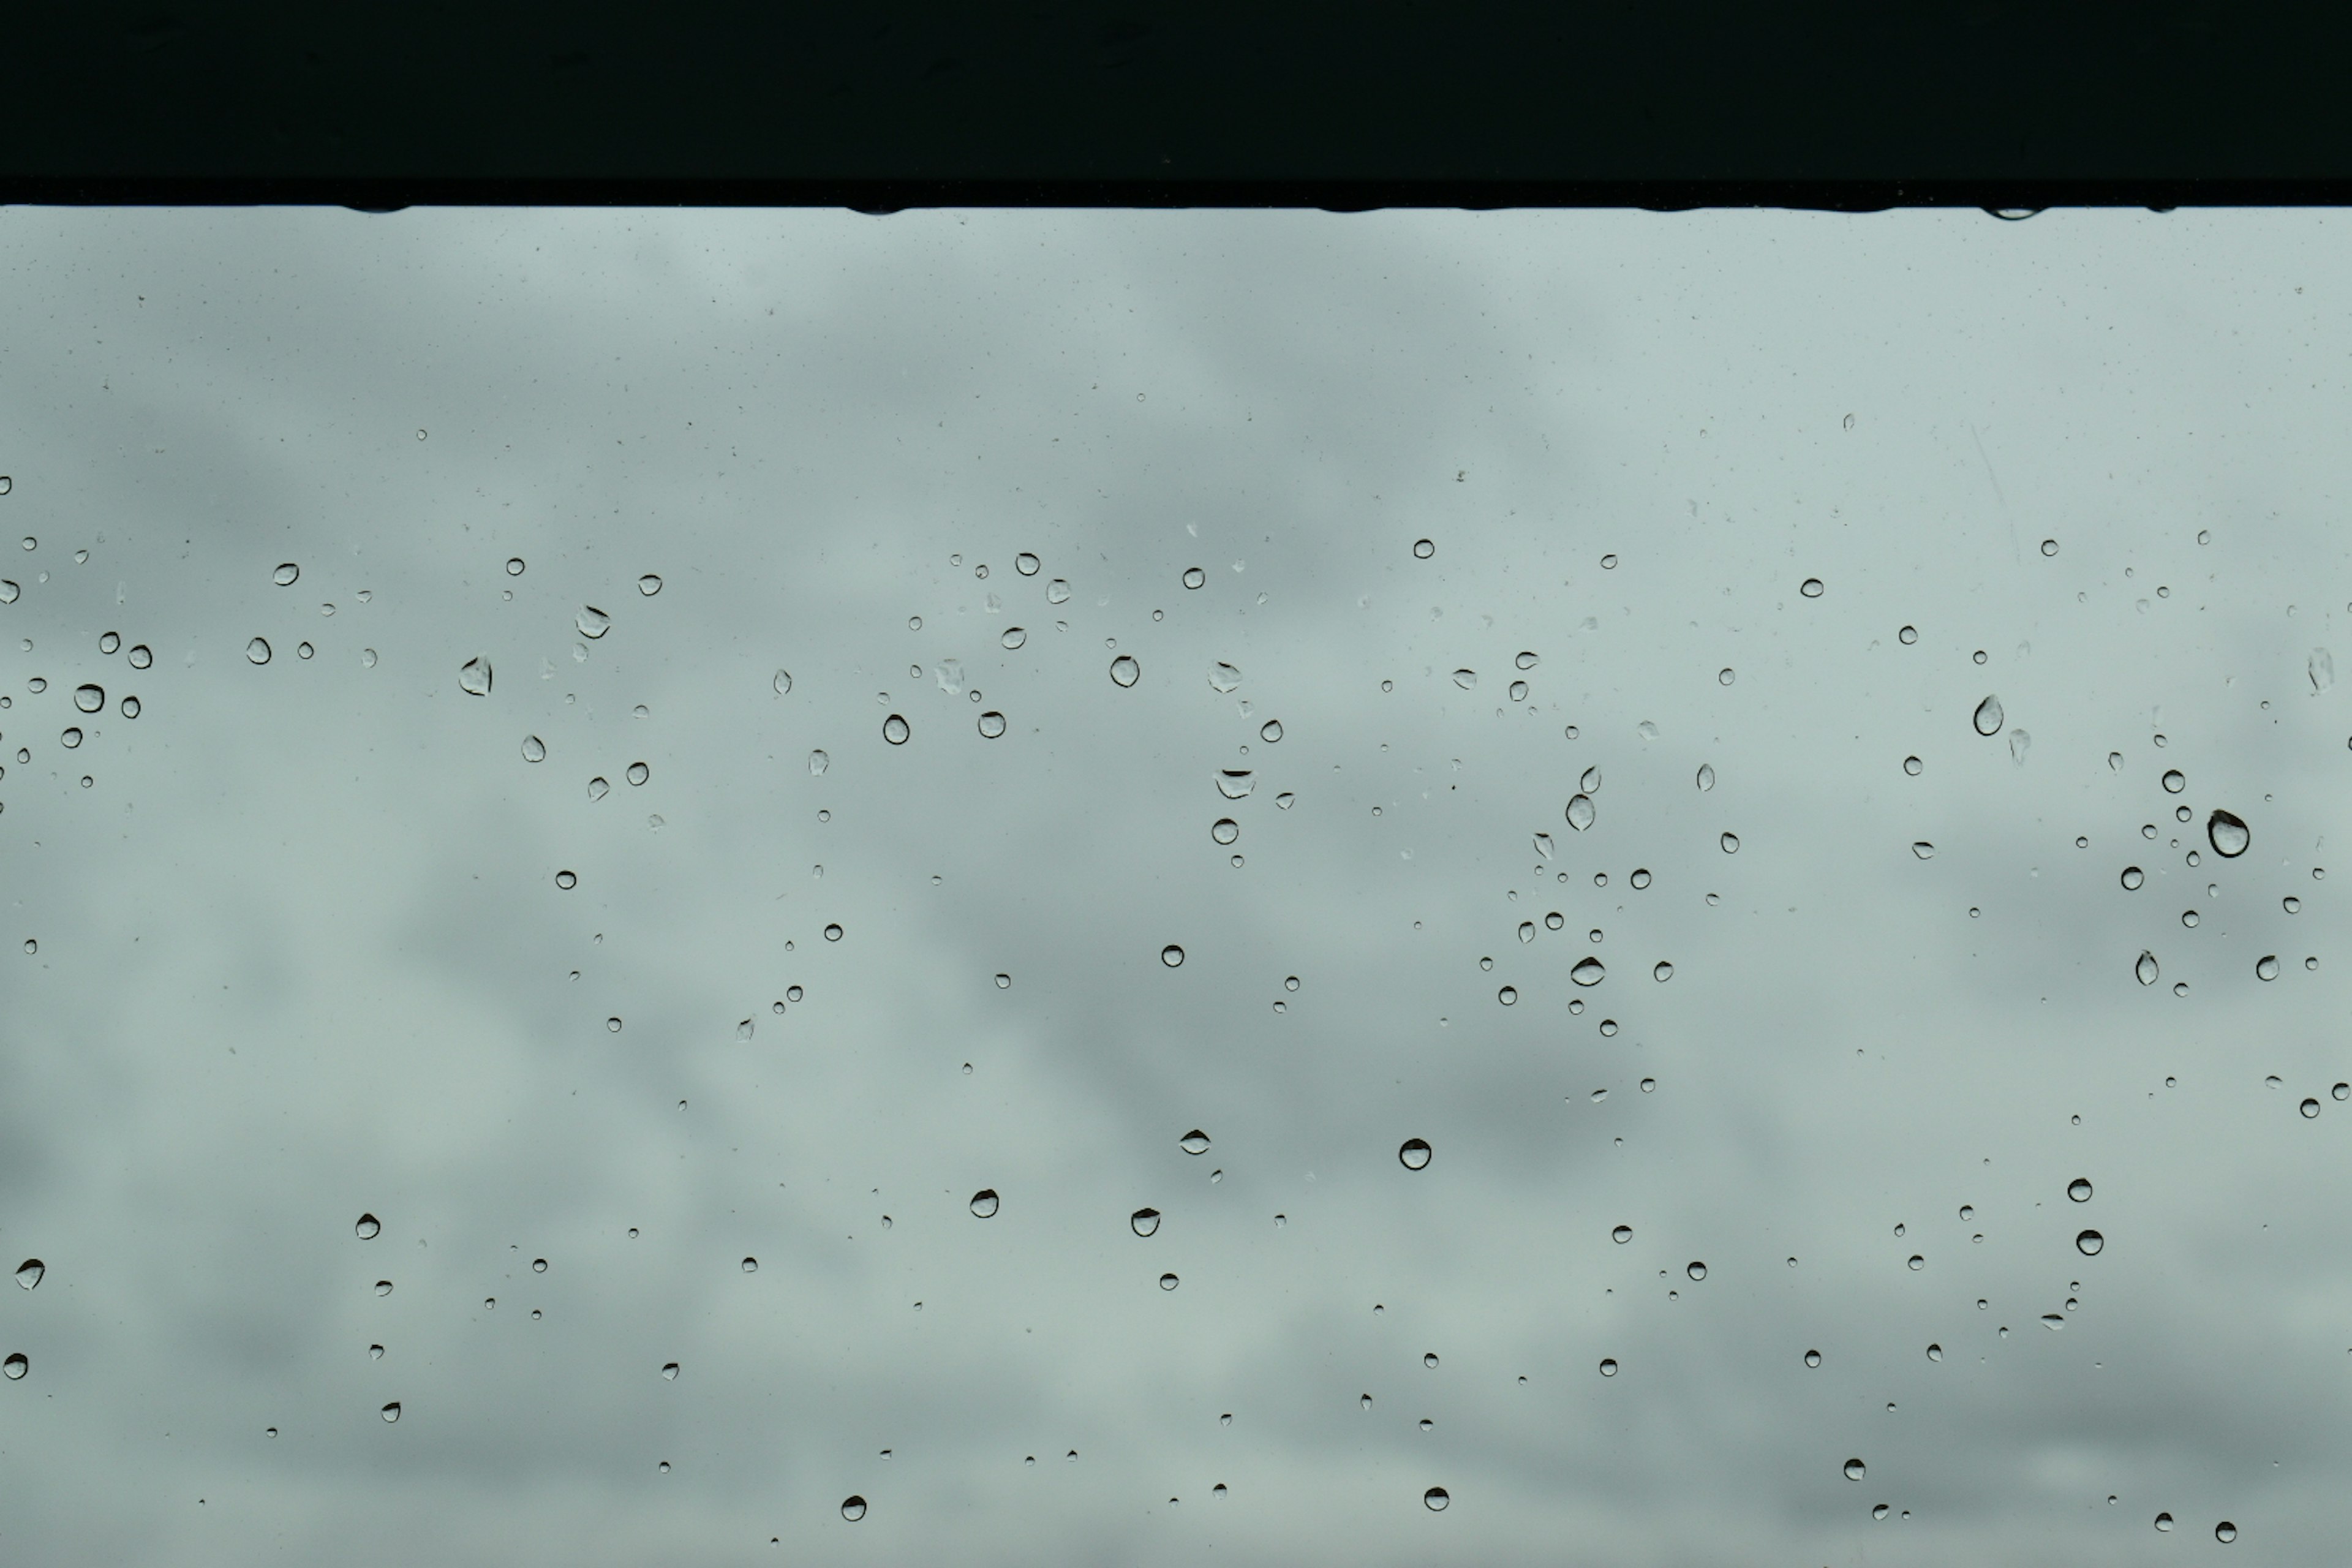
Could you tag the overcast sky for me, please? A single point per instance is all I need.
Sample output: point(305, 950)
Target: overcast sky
point(313, 938)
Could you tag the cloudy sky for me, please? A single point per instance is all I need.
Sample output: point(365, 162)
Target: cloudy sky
point(875, 542)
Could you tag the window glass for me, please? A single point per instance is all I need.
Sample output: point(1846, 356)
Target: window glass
point(1021, 886)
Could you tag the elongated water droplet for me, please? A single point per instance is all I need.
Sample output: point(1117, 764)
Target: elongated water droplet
point(2228, 834)
point(2146, 969)
point(29, 1272)
point(984, 1203)
point(1195, 1143)
point(1989, 716)
point(1543, 845)
point(1588, 971)
point(1235, 783)
point(1706, 776)
point(1413, 1154)
point(1579, 812)
point(1125, 671)
point(592, 622)
point(474, 677)
point(782, 682)
point(257, 650)
point(1144, 1222)
point(1223, 677)
point(286, 575)
point(818, 762)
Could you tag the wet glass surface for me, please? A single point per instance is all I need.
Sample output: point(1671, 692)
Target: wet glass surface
point(720, 887)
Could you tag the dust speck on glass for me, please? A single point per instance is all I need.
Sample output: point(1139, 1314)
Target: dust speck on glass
point(1342, 669)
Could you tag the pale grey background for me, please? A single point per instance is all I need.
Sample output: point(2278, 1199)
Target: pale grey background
point(301, 953)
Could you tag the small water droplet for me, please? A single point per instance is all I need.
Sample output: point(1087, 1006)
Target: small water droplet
point(1223, 677)
point(383, 1287)
point(1270, 732)
point(1813, 1358)
point(1924, 850)
point(1608, 1366)
point(853, 1509)
point(1168, 1281)
point(1465, 679)
point(1907, 636)
point(1436, 1498)
point(1125, 671)
point(2089, 1243)
point(1989, 716)
point(567, 880)
point(70, 739)
point(1706, 776)
point(1811, 587)
point(1579, 812)
point(90, 698)
point(2266, 967)
point(649, 584)
point(1058, 592)
point(368, 1227)
point(895, 730)
point(818, 762)
point(1424, 548)
point(984, 1203)
point(1934, 1352)
point(29, 1272)
point(2131, 879)
point(1195, 1143)
point(257, 650)
point(1855, 1470)
point(1413, 1154)
point(2146, 969)
point(1172, 955)
point(1730, 843)
point(2310, 1109)
point(286, 575)
point(474, 677)
point(2225, 1532)
point(2079, 1189)
point(2164, 1522)
point(2228, 834)
point(391, 1411)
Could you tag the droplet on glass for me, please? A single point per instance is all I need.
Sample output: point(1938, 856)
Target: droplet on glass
point(782, 682)
point(853, 1509)
point(1195, 1143)
point(368, 1227)
point(29, 1272)
point(1579, 812)
point(1435, 1499)
point(2227, 835)
point(1413, 1154)
point(1144, 1222)
point(567, 880)
point(286, 575)
point(1270, 732)
point(2164, 1522)
point(2146, 969)
point(984, 1203)
point(474, 677)
point(2079, 1189)
point(649, 584)
point(2225, 1532)
point(1813, 1358)
point(2131, 879)
point(818, 762)
point(1663, 972)
point(1235, 783)
point(1934, 1352)
point(1811, 587)
point(257, 650)
point(141, 656)
point(1224, 830)
point(1706, 776)
point(1125, 671)
point(2089, 1242)
point(391, 1411)
point(2019, 742)
point(1855, 1470)
point(592, 622)
point(1168, 1281)
point(894, 731)
point(1058, 592)
point(1989, 716)
point(1172, 955)
point(1588, 971)
point(1608, 1366)
point(2266, 967)
point(1424, 548)
point(1222, 676)
point(1730, 843)
point(534, 750)
point(2310, 1109)
point(383, 1287)
point(1027, 564)
point(70, 739)
point(1924, 850)
point(90, 698)
point(1697, 1270)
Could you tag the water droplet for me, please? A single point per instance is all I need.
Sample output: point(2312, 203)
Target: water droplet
point(475, 676)
point(70, 739)
point(383, 1287)
point(257, 650)
point(1588, 971)
point(1125, 671)
point(1663, 972)
point(984, 1203)
point(1811, 587)
point(649, 584)
point(2146, 969)
point(29, 1272)
point(833, 933)
point(2131, 879)
point(1915, 1262)
point(2089, 1242)
point(1144, 1222)
point(818, 762)
point(1934, 1352)
point(1855, 1470)
point(1270, 732)
point(2310, 1108)
point(534, 750)
point(1058, 592)
point(669, 1371)
point(1697, 1270)
point(110, 641)
point(391, 1411)
point(1435, 1499)
point(1924, 850)
point(1027, 564)
point(141, 656)
point(853, 1509)
point(1413, 1154)
point(1235, 783)
point(2266, 967)
point(1706, 776)
point(1579, 812)
point(1172, 955)
point(286, 575)
point(1224, 830)
point(2079, 1189)
point(368, 1227)
point(2164, 1522)
point(1989, 716)
point(1726, 675)
point(1168, 1281)
point(2019, 742)
point(1608, 1366)
point(893, 730)
point(567, 880)
point(1195, 1143)
point(1813, 1358)
point(1424, 548)
point(2225, 1532)
point(2341, 1091)
point(90, 698)
point(598, 789)
point(1222, 676)
point(1730, 842)
point(2227, 835)
point(1465, 679)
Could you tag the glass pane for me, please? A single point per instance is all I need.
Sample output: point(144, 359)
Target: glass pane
point(1020, 886)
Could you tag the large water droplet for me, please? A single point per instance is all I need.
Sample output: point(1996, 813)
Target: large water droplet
point(984, 1203)
point(1235, 783)
point(592, 622)
point(2089, 1242)
point(257, 650)
point(894, 731)
point(853, 1509)
point(818, 762)
point(2164, 1522)
point(2131, 879)
point(1588, 971)
point(1195, 576)
point(286, 575)
point(368, 1227)
point(2310, 1109)
point(1172, 955)
point(534, 750)
point(1125, 671)
point(649, 584)
point(90, 698)
point(2228, 834)
point(1223, 677)
point(2225, 1532)
point(1435, 1499)
point(1465, 679)
point(782, 682)
point(1424, 548)
point(1855, 1470)
point(475, 676)
point(2266, 967)
point(1224, 830)
point(15, 1367)
point(1608, 1366)
point(1730, 843)
point(1989, 716)
point(29, 1272)
point(1923, 849)
point(391, 1411)
point(1579, 812)
point(1144, 1222)
point(1195, 1143)
point(2146, 969)
point(1706, 776)
point(1413, 1154)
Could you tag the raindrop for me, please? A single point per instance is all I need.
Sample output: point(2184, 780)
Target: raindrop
point(1924, 850)
point(782, 682)
point(567, 880)
point(1235, 783)
point(992, 724)
point(984, 1203)
point(2266, 967)
point(514, 565)
point(1413, 1154)
point(534, 750)
point(750, 1265)
point(1125, 671)
point(1172, 955)
point(2228, 834)
point(2164, 1522)
point(1144, 1222)
point(833, 933)
point(1195, 1143)
point(1989, 716)
point(2089, 1242)
point(110, 641)
point(1465, 679)
point(1168, 1281)
point(1915, 1262)
point(1907, 636)
point(391, 1411)
point(649, 584)
point(368, 1228)
point(1058, 592)
point(1663, 972)
point(258, 651)
point(383, 1287)
point(284, 576)
point(2310, 1109)
point(1855, 1470)
point(1697, 1270)
point(1811, 587)
point(2079, 1189)
point(2133, 877)
point(598, 789)
point(2146, 969)
point(853, 1509)
point(669, 1371)
point(539, 1266)
point(1013, 637)
point(1270, 732)
point(2175, 781)
point(1730, 842)
point(29, 1272)
point(1706, 776)
point(2225, 1532)
point(1224, 830)
point(1422, 549)
point(1726, 677)
point(592, 622)
point(1579, 812)
point(2018, 741)
point(1027, 564)
point(1934, 1352)
point(1621, 1234)
point(141, 656)
point(1588, 971)
point(893, 730)
point(818, 762)
point(1912, 765)
point(1526, 931)
point(475, 676)
point(1223, 677)
point(1813, 1358)
point(1435, 1499)
point(70, 739)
